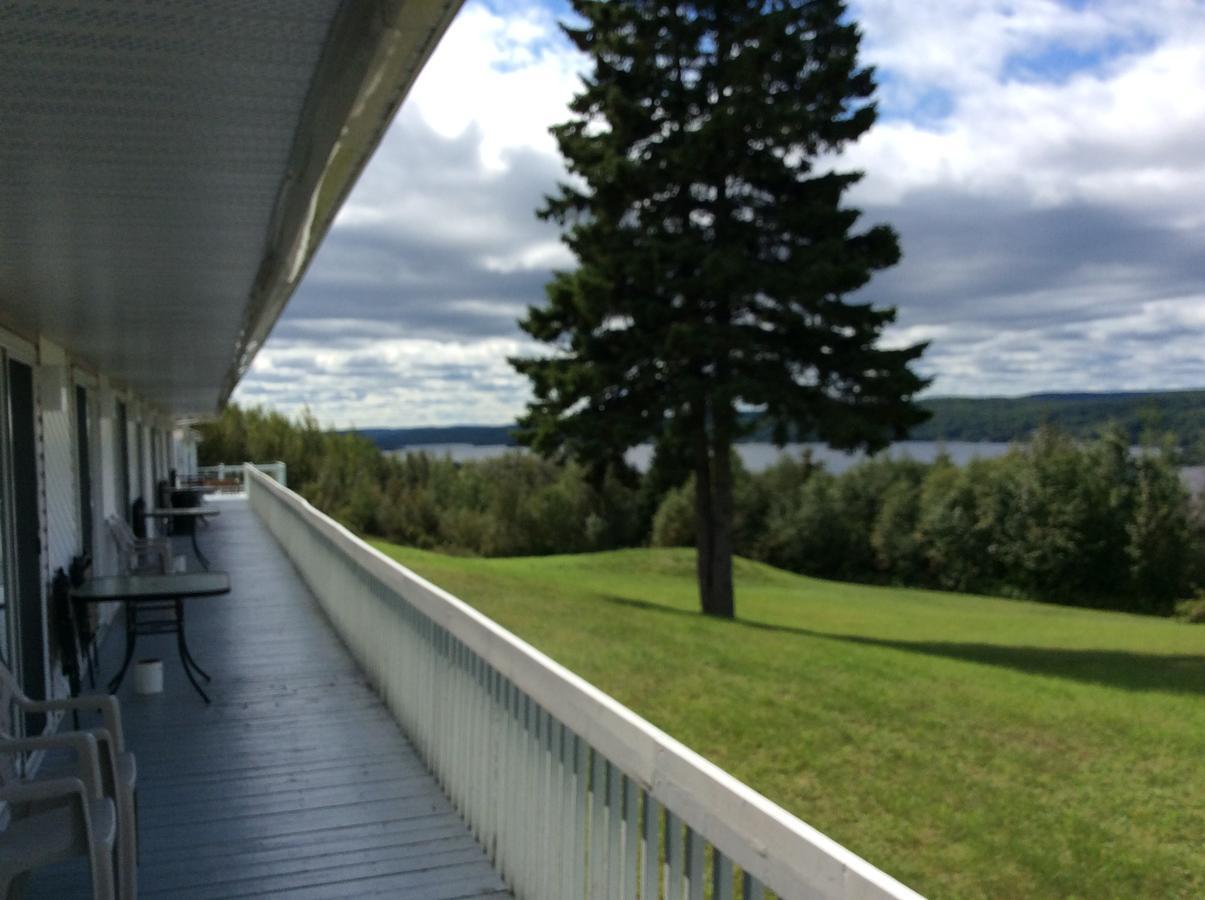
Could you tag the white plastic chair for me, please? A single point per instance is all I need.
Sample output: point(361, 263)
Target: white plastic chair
point(118, 769)
point(139, 554)
point(57, 819)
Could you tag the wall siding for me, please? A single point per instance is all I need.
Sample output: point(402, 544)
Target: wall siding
point(60, 479)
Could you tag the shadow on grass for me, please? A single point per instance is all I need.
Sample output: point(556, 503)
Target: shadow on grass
point(1179, 674)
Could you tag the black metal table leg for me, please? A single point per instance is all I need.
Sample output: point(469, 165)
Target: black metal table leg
point(188, 657)
point(197, 550)
point(185, 656)
point(131, 617)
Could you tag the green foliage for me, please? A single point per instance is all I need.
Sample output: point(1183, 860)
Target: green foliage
point(1055, 520)
point(674, 523)
point(1192, 610)
point(514, 505)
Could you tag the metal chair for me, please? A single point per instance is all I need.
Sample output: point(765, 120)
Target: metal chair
point(56, 819)
point(139, 554)
point(118, 771)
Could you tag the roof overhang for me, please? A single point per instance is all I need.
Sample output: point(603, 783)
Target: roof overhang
point(168, 170)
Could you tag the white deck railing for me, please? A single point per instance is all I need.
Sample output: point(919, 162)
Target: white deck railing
point(571, 793)
point(225, 478)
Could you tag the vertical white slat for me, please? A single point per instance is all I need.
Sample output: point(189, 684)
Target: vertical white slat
point(456, 742)
point(568, 815)
point(598, 826)
point(535, 810)
point(523, 806)
point(472, 741)
point(464, 729)
point(496, 773)
point(556, 858)
point(751, 888)
point(506, 780)
point(550, 807)
point(531, 811)
point(614, 831)
point(463, 723)
point(631, 841)
point(485, 746)
point(650, 853)
point(675, 864)
point(540, 801)
point(694, 865)
point(721, 876)
point(581, 819)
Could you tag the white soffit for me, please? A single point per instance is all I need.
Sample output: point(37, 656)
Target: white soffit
point(168, 168)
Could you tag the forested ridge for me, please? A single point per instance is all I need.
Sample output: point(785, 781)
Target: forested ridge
point(1058, 519)
point(1180, 414)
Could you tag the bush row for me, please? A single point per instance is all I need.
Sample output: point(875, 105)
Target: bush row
point(1059, 520)
point(1056, 519)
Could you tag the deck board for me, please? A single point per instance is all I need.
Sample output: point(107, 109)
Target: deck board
point(295, 781)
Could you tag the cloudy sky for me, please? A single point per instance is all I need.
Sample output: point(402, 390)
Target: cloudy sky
point(1044, 163)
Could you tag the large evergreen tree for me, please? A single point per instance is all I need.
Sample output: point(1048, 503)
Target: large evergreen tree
point(714, 251)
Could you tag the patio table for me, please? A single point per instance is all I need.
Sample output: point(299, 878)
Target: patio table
point(146, 598)
point(191, 514)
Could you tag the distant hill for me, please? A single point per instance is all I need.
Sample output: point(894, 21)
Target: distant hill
point(479, 435)
point(1181, 413)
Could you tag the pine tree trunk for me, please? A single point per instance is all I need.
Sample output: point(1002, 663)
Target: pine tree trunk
point(713, 517)
point(722, 602)
point(704, 515)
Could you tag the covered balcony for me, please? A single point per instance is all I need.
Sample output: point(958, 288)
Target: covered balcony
point(295, 781)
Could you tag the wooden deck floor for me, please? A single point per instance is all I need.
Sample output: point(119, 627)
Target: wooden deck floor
point(295, 781)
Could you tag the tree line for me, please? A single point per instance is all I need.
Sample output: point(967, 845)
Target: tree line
point(1057, 519)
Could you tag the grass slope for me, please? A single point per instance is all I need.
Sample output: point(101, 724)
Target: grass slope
point(970, 746)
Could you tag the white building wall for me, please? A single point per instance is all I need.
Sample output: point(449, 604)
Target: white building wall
point(105, 556)
point(60, 484)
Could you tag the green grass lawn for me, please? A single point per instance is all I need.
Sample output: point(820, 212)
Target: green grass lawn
point(970, 746)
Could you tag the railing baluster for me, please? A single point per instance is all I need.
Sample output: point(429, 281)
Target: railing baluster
point(614, 831)
point(674, 863)
point(564, 859)
point(721, 876)
point(580, 820)
point(751, 888)
point(507, 782)
point(526, 788)
point(650, 856)
point(694, 865)
point(598, 827)
point(631, 841)
point(544, 820)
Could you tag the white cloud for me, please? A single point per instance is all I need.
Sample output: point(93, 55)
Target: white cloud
point(507, 73)
point(1041, 160)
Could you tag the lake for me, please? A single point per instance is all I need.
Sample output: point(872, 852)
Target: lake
point(756, 457)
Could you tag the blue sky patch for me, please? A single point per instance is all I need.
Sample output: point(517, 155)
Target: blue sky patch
point(1057, 62)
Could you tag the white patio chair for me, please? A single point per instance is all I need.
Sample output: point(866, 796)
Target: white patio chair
point(139, 554)
point(56, 819)
point(118, 768)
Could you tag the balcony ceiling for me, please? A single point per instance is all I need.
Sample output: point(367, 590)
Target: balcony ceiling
point(168, 169)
